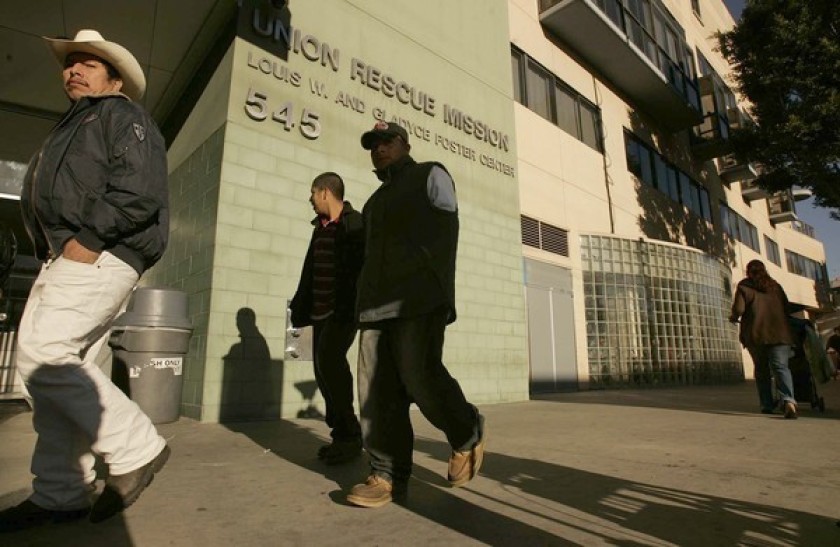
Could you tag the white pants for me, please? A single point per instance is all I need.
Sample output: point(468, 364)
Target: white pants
point(77, 409)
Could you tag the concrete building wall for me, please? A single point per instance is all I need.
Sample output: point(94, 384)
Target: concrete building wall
point(294, 112)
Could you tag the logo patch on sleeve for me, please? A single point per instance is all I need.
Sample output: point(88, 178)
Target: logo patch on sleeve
point(140, 131)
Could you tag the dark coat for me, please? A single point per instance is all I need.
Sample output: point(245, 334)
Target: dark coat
point(763, 315)
point(411, 247)
point(349, 253)
point(100, 177)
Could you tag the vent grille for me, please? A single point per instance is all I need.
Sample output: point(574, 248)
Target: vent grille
point(544, 236)
point(530, 232)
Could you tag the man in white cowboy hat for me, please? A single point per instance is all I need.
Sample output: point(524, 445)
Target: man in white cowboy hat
point(95, 203)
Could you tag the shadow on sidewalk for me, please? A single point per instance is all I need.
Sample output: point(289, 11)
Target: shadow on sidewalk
point(607, 508)
point(110, 533)
point(299, 446)
point(593, 503)
point(427, 497)
point(739, 398)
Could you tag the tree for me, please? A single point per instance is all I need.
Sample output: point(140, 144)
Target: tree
point(785, 56)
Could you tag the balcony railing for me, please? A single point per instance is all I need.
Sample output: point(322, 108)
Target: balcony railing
point(731, 169)
point(804, 228)
point(609, 37)
point(751, 191)
point(781, 208)
point(711, 138)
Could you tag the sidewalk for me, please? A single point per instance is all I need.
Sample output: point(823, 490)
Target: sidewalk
point(691, 466)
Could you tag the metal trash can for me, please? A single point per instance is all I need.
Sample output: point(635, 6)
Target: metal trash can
point(149, 343)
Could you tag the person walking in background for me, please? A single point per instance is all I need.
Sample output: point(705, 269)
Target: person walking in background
point(832, 347)
point(95, 203)
point(761, 306)
point(406, 299)
point(326, 299)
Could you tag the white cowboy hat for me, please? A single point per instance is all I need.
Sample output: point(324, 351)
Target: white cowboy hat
point(90, 41)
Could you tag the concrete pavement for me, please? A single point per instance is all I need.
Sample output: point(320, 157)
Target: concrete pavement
point(690, 466)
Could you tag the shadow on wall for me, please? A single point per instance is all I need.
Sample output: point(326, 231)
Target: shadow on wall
point(252, 382)
point(667, 220)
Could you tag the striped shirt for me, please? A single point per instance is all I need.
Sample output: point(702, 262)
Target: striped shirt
point(323, 270)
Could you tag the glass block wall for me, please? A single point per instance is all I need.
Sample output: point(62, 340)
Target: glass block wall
point(656, 315)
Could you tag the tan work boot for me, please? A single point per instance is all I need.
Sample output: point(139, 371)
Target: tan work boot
point(375, 492)
point(790, 410)
point(464, 465)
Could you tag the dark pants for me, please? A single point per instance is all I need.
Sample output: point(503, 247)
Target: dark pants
point(400, 363)
point(330, 340)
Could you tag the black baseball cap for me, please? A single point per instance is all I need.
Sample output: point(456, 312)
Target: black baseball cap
point(383, 130)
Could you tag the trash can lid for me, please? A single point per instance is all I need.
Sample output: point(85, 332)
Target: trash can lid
point(156, 307)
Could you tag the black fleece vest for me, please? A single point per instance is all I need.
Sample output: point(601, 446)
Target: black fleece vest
point(409, 267)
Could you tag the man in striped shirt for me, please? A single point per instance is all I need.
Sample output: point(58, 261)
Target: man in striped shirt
point(326, 299)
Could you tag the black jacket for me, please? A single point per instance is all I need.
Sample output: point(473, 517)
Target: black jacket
point(410, 248)
point(349, 253)
point(100, 177)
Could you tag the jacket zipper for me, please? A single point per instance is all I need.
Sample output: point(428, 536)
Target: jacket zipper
point(51, 251)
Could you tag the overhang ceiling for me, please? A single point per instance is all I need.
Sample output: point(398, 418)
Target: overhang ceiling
point(170, 39)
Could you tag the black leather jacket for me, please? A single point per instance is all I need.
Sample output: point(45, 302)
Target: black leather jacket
point(100, 177)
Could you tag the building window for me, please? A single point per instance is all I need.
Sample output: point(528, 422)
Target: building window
point(772, 251)
point(544, 236)
point(656, 315)
point(538, 89)
point(739, 228)
point(590, 121)
point(516, 64)
point(652, 169)
point(804, 266)
point(695, 7)
point(551, 98)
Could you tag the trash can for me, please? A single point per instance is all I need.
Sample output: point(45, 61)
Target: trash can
point(149, 343)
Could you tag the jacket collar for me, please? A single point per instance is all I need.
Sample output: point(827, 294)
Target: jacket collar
point(348, 208)
point(88, 101)
point(386, 174)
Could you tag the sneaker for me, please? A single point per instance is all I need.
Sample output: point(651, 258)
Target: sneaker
point(375, 492)
point(341, 452)
point(790, 410)
point(464, 465)
point(29, 515)
point(123, 490)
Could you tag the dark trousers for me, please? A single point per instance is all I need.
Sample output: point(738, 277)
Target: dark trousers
point(330, 340)
point(400, 363)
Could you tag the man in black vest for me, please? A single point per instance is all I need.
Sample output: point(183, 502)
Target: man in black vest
point(406, 297)
point(326, 299)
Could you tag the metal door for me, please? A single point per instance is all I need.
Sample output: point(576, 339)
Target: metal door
point(551, 327)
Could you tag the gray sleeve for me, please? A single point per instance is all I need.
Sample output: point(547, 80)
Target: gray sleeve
point(441, 190)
